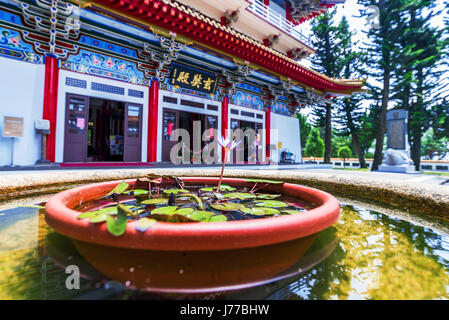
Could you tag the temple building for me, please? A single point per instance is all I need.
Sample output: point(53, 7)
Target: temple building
point(115, 78)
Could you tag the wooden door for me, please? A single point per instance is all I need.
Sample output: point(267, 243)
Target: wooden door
point(133, 133)
point(75, 138)
point(170, 122)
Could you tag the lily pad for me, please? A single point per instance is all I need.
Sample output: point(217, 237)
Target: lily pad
point(117, 227)
point(175, 191)
point(165, 210)
point(264, 181)
point(271, 203)
point(260, 211)
point(228, 206)
point(119, 188)
point(155, 201)
point(184, 211)
point(239, 195)
point(268, 196)
point(102, 212)
point(138, 192)
point(144, 224)
point(207, 216)
point(293, 211)
point(223, 187)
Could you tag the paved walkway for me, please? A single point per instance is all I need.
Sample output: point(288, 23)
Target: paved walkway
point(418, 178)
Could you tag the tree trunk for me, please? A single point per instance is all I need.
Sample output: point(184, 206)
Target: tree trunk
point(416, 125)
point(328, 134)
point(355, 136)
point(415, 150)
point(382, 125)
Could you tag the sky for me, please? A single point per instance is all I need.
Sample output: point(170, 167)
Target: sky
point(358, 23)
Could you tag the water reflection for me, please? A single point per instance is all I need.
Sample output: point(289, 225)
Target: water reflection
point(365, 255)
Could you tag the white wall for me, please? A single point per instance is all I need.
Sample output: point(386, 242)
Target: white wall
point(22, 95)
point(288, 133)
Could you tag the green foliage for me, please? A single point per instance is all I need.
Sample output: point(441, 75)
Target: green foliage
point(344, 152)
point(271, 203)
point(432, 146)
point(117, 227)
point(314, 144)
point(304, 128)
point(120, 188)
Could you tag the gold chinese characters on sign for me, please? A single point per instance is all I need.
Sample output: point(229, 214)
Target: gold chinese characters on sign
point(193, 79)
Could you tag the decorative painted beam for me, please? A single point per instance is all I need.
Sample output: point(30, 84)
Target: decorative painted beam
point(178, 18)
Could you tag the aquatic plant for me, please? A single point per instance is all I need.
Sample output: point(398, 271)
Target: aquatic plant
point(167, 199)
point(227, 144)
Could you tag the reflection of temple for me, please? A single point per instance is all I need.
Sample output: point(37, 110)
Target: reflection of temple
point(114, 78)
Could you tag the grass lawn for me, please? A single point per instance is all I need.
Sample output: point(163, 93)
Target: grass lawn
point(353, 169)
point(422, 172)
point(436, 173)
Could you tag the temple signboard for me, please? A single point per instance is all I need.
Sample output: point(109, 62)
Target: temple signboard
point(194, 79)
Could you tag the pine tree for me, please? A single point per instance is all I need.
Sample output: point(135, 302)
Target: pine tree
point(416, 77)
point(314, 145)
point(381, 53)
point(349, 108)
point(325, 61)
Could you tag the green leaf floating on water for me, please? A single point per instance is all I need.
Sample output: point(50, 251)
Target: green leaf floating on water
point(155, 201)
point(144, 224)
point(117, 227)
point(165, 210)
point(268, 196)
point(239, 195)
point(175, 191)
point(260, 211)
point(207, 216)
point(228, 206)
point(223, 187)
point(271, 203)
point(184, 211)
point(264, 181)
point(138, 192)
point(172, 214)
point(119, 188)
point(101, 215)
point(293, 211)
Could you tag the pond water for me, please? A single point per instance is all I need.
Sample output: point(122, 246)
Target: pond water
point(364, 255)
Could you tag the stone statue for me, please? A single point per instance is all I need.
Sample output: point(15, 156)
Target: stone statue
point(396, 158)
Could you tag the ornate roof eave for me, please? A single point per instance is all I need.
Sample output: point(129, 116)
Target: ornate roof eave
point(192, 24)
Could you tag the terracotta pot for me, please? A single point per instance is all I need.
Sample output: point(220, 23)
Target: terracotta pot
point(194, 236)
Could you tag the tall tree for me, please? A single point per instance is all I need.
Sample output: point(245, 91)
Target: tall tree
point(349, 109)
point(381, 52)
point(304, 128)
point(416, 77)
point(325, 61)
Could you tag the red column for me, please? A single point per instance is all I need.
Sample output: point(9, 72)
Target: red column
point(51, 103)
point(224, 119)
point(267, 131)
point(153, 105)
point(266, 2)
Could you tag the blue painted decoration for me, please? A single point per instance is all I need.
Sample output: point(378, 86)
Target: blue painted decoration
point(280, 108)
point(12, 46)
point(103, 45)
point(248, 100)
point(105, 66)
